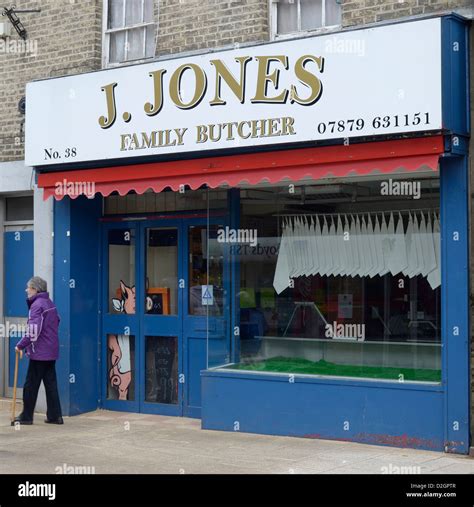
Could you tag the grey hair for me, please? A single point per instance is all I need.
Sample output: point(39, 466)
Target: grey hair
point(38, 283)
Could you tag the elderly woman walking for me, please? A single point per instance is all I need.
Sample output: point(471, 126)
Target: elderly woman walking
point(42, 347)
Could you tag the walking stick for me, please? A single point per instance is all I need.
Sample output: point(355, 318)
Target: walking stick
point(18, 353)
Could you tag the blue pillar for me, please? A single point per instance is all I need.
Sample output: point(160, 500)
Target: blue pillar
point(455, 301)
point(76, 284)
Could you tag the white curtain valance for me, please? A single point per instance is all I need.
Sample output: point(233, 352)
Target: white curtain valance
point(369, 244)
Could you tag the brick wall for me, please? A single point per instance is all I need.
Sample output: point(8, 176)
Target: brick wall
point(67, 38)
point(186, 25)
point(361, 12)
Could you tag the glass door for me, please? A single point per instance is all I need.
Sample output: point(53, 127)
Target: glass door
point(161, 361)
point(166, 312)
point(120, 317)
point(206, 337)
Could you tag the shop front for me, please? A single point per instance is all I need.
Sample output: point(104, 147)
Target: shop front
point(272, 238)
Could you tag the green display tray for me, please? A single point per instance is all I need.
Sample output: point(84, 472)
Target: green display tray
point(298, 365)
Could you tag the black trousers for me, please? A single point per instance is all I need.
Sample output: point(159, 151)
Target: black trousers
point(41, 371)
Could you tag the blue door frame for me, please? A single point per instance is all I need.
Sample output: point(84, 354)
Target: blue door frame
point(198, 337)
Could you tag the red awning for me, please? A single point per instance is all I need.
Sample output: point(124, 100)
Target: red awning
point(255, 168)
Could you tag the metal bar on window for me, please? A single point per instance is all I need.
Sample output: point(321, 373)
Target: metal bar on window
point(125, 49)
point(125, 53)
point(298, 15)
point(137, 25)
point(144, 30)
point(323, 12)
point(274, 18)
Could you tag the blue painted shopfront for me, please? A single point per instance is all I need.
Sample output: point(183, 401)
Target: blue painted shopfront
point(411, 414)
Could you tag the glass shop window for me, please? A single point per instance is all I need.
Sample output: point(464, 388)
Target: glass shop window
point(130, 31)
point(341, 280)
point(292, 16)
point(164, 202)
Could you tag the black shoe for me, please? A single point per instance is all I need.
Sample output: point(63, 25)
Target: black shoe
point(59, 420)
point(20, 420)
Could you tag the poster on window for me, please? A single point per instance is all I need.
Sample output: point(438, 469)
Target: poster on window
point(345, 306)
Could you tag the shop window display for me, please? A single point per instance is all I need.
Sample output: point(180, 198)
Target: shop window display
point(343, 280)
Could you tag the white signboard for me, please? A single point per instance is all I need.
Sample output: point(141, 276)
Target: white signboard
point(369, 82)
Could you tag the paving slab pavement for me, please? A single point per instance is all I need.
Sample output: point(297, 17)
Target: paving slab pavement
point(106, 442)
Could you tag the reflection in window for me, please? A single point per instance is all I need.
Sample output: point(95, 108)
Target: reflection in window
point(165, 201)
point(121, 271)
point(161, 283)
point(120, 367)
point(161, 376)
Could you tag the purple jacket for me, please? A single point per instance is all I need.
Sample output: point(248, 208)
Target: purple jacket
point(41, 338)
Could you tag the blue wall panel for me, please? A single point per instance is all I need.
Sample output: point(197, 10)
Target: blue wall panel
point(196, 361)
point(18, 251)
point(400, 415)
point(18, 262)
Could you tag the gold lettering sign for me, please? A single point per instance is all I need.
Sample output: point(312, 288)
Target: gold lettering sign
point(200, 87)
point(267, 89)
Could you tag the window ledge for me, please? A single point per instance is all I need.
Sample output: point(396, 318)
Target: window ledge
point(128, 62)
point(306, 33)
point(411, 385)
point(130, 27)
